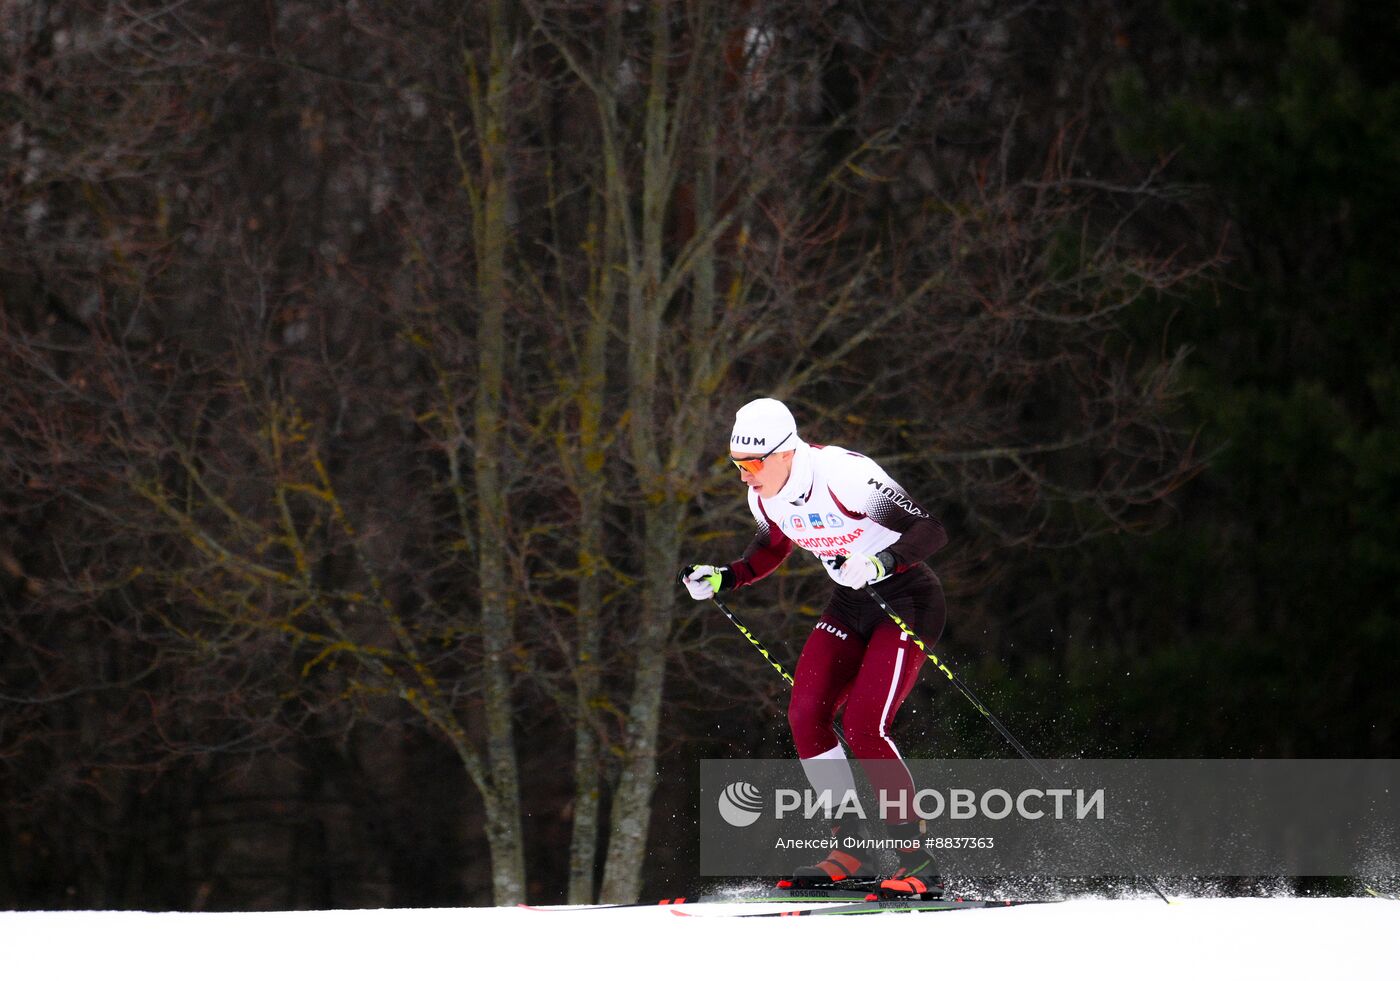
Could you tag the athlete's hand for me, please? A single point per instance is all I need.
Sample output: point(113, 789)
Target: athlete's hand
point(861, 570)
point(703, 581)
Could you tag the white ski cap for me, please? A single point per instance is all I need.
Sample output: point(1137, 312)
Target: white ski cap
point(763, 426)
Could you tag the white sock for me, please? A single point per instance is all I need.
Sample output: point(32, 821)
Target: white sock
point(831, 772)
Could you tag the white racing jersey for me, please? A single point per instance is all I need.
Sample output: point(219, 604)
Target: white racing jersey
point(837, 503)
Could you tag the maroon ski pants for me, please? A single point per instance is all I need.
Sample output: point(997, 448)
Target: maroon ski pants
point(857, 658)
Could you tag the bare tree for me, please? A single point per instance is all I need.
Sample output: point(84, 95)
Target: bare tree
point(381, 358)
point(730, 150)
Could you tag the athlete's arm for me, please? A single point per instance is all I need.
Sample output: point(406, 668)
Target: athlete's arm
point(886, 503)
point(919, 538)
point(768, 550)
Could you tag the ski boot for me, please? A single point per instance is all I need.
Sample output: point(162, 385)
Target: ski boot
point(839, 866)
point(840, 872)
point(916, 878)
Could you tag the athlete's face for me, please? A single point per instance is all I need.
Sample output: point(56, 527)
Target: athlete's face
point(770, 474)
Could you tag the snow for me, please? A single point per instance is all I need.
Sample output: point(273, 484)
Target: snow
point(1137, 938)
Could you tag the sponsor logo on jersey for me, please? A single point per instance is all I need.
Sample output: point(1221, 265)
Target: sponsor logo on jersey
point(816, 520)
point(831, 629)
point(834, 520)
point(797, 522)
point(824, 544)
point(897, 498)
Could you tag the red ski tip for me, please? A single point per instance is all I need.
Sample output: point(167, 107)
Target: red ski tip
point(784, 883)
point(871, 898)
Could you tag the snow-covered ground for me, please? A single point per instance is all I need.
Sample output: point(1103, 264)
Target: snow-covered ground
point(1140, 938)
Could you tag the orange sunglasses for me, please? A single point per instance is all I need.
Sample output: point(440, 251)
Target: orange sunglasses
point(753, 465)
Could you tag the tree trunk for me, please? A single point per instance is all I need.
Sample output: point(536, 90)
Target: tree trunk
point(503, 825)
point(631, 809)
point(592, 493)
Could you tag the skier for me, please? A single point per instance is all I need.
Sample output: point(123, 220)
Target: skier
point(843, 508)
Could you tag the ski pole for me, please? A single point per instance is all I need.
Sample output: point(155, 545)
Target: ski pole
point(958, 683)
point(841, 736)
point(752, 639)
point(996, 723)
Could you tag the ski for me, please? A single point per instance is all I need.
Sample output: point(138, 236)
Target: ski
point(890, 906)
point(675, 901)
point(836, 892)
point(776, 896)
point(819, 900)
point(850, 890)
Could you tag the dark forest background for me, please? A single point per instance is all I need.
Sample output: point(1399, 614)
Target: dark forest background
point(368, 368)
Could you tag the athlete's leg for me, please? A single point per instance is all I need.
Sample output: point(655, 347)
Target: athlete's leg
point(825, 671)
point(887, 674)
point(827, 668)
point(824, 675)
